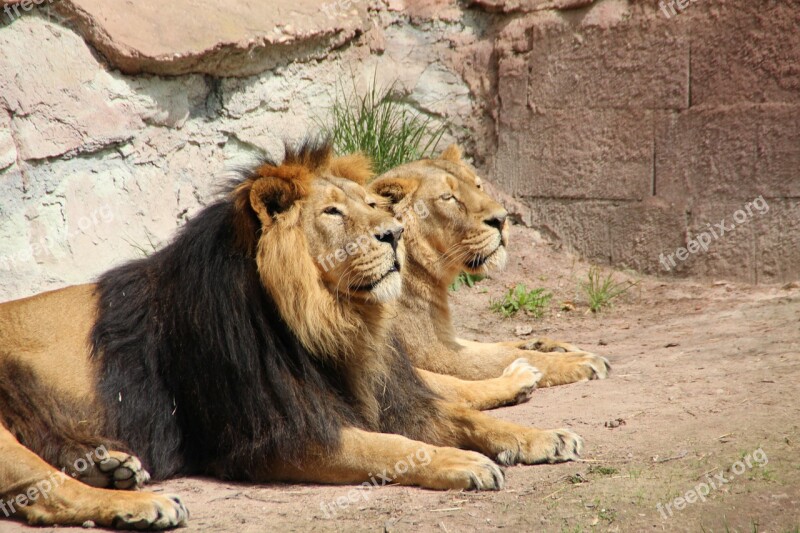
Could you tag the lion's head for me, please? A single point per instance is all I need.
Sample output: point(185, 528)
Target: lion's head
point(263, 323)
point(451, 223)
point(327, 250)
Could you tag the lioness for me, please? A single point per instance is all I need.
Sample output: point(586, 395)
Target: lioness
point(463, 229)
point(232, 353)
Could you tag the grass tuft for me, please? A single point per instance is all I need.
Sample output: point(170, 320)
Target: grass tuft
point(603, 470)
point(534, 302)
point(601, 291)
point(380, 126)
point(465, 279)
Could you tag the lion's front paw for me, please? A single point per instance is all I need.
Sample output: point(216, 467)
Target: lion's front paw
point(77, 504)
point(125, 471)
point(117, 470)
point(543, 446)
point(523, 378)
point(156, 512)
point(452, 468)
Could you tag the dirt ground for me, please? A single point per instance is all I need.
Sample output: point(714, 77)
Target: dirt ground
point(705, 389)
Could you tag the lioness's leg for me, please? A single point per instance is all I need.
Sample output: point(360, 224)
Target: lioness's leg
point(380, 458)
point(477, 360)
point(509, 443)
point(515, 386)
point(35, 491)
point(543, 344)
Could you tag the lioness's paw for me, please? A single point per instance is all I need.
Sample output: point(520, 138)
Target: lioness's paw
point(572, 367)
point(124, 472)
point(460, 469)
point(156, 512)
point(523, 377)
point(599, 365)
point(544, 446)
point(596, 367)
point(543, 344)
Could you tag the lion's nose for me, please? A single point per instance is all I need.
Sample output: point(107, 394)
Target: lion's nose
point(390, 236)
point(497, 220)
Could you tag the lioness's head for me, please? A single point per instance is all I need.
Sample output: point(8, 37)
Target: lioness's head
point(451, 223)
point(323, 244)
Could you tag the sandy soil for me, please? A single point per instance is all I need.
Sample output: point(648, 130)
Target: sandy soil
point(706, 378)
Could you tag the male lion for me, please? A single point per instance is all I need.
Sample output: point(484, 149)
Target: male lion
point(462, 229)
point(232, 353)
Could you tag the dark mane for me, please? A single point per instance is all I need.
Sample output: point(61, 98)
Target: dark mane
point(200, 374)
point(199, 371)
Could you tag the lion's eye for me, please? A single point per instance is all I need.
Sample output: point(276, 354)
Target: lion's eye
point(332, 210)
point(372, 204)
point(447, 196)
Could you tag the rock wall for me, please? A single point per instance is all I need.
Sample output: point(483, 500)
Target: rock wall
point(98, 166)
point(654, 137)
point(612, 128)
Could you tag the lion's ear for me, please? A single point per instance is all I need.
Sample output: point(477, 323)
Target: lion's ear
point(394, 189)
point(277, 189)
point(452, 153)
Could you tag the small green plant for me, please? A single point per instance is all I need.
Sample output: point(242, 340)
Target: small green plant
point(577, 479)
point(465, 278)
point(603, 470)
point(380, 126)
point(533, 302)
point(601, 291)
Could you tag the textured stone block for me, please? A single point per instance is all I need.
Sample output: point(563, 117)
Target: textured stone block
point(729, 153)
point(629, 234)
point(600, 154)
point(644, 64)
point(745, 52)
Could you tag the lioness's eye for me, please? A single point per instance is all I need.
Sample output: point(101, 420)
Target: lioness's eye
point(447, 196)
point(333, 211)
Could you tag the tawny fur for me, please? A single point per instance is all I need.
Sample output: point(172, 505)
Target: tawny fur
point(465, 230)
point(330, 346)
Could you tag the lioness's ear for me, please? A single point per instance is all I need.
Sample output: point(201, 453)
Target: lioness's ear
point(452, 153)
point(394, 189)
point(277, 189)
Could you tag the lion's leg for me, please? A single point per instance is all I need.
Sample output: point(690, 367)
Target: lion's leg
point(373, 459)
point(38, 493)
point(509, 443)
point(94, 461)
point(515, 386)
point(477, 360)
